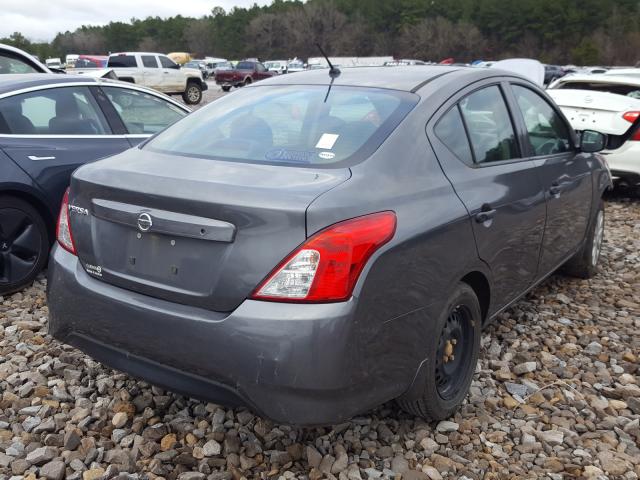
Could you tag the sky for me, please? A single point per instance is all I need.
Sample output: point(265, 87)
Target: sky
point(41, 20)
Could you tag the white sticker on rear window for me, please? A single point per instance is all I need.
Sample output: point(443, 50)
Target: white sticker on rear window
point(327, 141)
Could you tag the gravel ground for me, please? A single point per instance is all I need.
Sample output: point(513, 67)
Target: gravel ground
point(556, 396)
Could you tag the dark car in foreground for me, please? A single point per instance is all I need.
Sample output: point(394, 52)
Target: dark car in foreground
point(315, 245)
point(49, 126)
point(244, 73)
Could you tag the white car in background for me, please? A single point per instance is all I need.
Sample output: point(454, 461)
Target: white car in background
point(608, 103)
point(278, 66)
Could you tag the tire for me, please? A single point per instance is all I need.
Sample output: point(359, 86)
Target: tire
point(24, 244)
point(193, 94)
point(452, 355)
point(247, 81)
point(584, 264)
point(226, 88)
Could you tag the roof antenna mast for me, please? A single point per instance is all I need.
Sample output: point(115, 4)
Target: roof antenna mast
point(333, 71)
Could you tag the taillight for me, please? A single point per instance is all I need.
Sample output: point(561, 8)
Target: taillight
point(326, 267)
point(632, 117)
point(63, 229)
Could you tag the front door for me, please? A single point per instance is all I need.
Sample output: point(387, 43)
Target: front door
point(478, 150)
point(565, 176)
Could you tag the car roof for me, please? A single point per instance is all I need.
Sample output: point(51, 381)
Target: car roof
point(405, 78)
point(18, 81)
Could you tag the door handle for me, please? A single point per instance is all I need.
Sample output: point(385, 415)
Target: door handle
point(486, 213)
point(35, 157)
point(555, 189)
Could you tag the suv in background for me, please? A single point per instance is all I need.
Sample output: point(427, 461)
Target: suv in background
point(159, 72)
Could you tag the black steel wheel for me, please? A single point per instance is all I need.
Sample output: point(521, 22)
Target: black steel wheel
point(452, 346)
point(24, 244)
point(454, 351)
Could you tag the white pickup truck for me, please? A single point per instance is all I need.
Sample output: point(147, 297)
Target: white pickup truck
point(159, 72)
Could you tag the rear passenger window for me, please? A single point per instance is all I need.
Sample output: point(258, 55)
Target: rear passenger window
point(489, 126)
point(55, 111)
point(450, 131)
point(122, 61)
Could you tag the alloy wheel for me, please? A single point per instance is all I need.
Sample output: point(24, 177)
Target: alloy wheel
point(598, 236)
point(193, 93)
point(19, 245)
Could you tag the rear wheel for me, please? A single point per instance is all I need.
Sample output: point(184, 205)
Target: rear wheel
point(193, 94)
point(452, 355)
point(248, 81)
point(584, 264)
point(226, 88)
point(24, 244)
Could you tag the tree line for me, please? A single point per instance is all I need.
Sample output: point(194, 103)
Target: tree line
point(581, 32)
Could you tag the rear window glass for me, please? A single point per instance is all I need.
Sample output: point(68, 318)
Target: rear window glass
point(122, 61)
point(620, 89)
point(289, 125)
point(245, 66)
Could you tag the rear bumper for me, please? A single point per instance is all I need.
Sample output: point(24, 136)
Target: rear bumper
point(624, 163)
point(292, 363)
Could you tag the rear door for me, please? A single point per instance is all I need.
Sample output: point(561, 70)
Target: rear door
point(51, 131)
point(477, 146)
point(565, 175)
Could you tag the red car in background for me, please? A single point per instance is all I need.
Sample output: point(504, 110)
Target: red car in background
point(244, 73)
point(92, 61)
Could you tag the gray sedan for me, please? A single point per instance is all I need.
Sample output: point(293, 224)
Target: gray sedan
point(315, 245)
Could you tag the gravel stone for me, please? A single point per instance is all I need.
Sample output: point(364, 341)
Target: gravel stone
point(53, 470)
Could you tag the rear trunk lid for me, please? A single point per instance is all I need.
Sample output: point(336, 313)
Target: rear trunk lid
point(592, 110)
point(193, 231)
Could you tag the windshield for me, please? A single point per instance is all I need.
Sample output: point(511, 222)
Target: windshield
point(289, 124)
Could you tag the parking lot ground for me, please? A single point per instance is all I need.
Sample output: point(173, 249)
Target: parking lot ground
point(556, 393)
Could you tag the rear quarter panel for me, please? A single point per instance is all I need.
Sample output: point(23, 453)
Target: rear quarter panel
point(405, 284)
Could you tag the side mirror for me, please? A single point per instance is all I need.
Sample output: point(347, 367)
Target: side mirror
point(175, 66)
point(591, 141)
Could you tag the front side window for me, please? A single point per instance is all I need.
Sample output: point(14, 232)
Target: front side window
point(450, 130)
point(489, 125)
point(142, 113)
point(12, 64)
point(166, 62)
point(288, 125)
point(54, 111)
point(548, 133)
point(149, 61)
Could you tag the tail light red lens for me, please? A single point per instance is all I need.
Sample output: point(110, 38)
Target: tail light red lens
point(326, 267)
point(63, 229)
point(632, 117)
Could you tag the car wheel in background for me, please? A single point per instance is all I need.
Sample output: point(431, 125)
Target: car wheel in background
point(226, 88)
point(584, 264)
point(193, 94)
point(24, 244)
point(247, 81)
point(452, 354)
